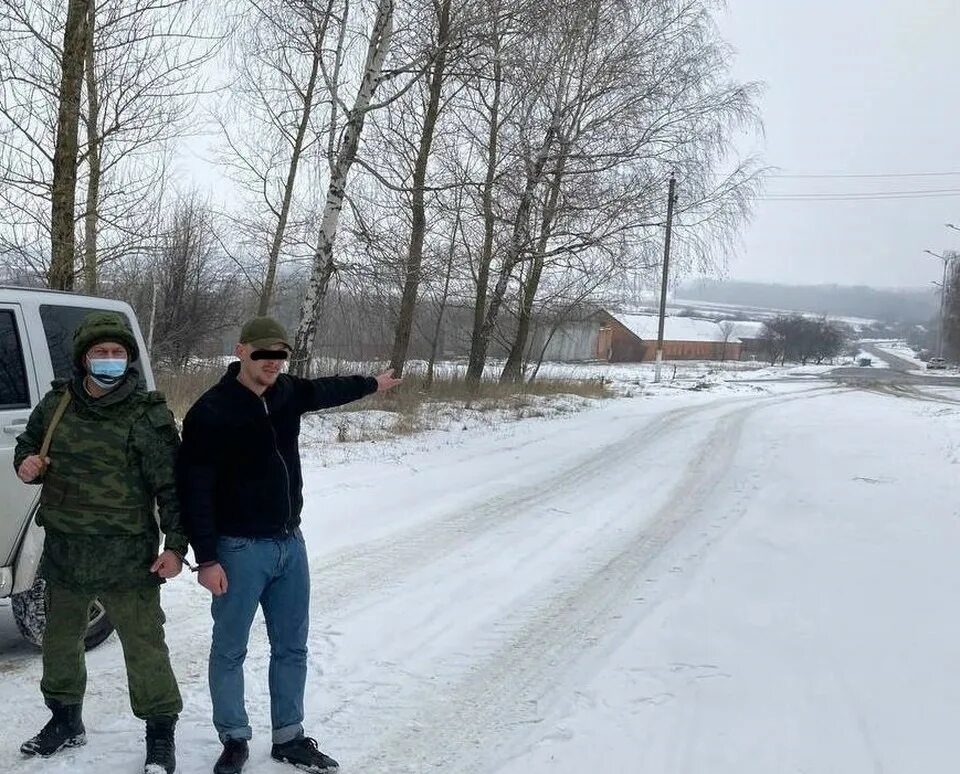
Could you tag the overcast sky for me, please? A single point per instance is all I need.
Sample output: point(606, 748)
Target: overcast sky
point(852, 87)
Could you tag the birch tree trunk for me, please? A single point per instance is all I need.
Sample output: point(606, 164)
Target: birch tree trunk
point(323, 262)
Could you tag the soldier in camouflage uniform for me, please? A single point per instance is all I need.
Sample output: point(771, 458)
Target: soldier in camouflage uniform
point(110, 459)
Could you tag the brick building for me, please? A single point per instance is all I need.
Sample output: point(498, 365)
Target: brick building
point(750, 335)
point(632, 338)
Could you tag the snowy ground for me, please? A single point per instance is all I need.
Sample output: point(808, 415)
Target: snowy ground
point(632, 373)
point(720, 581)
point(902, 351)
point(331, 437)
point(682, 370)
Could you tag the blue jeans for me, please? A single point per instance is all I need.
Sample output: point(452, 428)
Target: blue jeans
point(272, 573)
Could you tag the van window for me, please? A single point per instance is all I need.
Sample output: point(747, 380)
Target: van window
point(59, 323)
point(13, 374)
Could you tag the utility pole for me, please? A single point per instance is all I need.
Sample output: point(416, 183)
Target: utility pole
point(943, 304)
point(946, 258)
point(671, 199)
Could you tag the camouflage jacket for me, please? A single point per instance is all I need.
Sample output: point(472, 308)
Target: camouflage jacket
point(111, 459)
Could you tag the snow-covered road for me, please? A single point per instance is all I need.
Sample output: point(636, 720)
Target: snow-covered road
point(705, 584)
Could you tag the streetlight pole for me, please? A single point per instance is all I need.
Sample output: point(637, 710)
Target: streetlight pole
point(946, 258)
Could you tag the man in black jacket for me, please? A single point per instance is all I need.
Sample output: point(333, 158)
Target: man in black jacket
point(239, 481)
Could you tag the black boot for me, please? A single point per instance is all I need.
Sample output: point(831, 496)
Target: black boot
point(234, 755)
point(63, 730)
point(303, 753)
point(161, 750)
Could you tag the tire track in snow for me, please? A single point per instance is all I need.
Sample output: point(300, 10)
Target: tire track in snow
point(374, 566)
point(350, 576)
point(342, 578)
point(909, 392)
point(534, 647)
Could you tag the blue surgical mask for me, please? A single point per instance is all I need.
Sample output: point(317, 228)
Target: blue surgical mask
point(107, 371)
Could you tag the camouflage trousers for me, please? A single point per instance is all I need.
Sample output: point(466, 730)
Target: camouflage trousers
point(138, 619)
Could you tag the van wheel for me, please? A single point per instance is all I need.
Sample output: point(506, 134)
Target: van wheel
point(29, 611)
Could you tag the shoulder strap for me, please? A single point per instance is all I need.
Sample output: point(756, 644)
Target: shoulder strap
point(54, 421)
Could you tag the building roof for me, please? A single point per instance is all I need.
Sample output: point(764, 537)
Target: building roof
point(740, 329)
point(645, 327)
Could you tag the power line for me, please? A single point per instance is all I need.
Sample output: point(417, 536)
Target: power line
point(854, 198)
point(871, 193)
point(858, 199)
point(837, 196)
point(831, 176)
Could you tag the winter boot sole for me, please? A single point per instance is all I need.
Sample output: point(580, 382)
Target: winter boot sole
point(305, 767)
point(74, 741)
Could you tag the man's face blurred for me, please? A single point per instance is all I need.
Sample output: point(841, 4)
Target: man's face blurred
point(263, 372)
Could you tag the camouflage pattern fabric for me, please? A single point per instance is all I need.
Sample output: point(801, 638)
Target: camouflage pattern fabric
point(103, 326)
point(110, 459)
point(138, 619)
point(96, 563)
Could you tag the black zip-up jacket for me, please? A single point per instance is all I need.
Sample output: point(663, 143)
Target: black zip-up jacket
point(238, 470)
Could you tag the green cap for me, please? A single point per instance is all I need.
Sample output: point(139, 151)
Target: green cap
point(264, 332)
point(103, 326)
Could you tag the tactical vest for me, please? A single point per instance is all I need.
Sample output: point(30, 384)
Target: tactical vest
point(93, 485)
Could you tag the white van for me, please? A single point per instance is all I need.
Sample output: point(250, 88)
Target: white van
point(36, 347)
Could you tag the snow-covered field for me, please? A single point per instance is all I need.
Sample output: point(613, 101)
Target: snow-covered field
point(630, 373)
point(736, 580)
point(682, 371)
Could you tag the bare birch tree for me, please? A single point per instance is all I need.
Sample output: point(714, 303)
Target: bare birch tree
point(323, 264)
point(272, 130)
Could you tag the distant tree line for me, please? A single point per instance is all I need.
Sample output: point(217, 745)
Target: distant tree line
point(799, 339)
point(907, 305)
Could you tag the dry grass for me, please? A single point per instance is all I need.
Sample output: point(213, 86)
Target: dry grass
point(182, 388)
point(487, 396)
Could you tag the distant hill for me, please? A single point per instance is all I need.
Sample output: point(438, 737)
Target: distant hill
point(909, 305)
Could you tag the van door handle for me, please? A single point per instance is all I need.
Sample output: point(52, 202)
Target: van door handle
point(16, 427)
